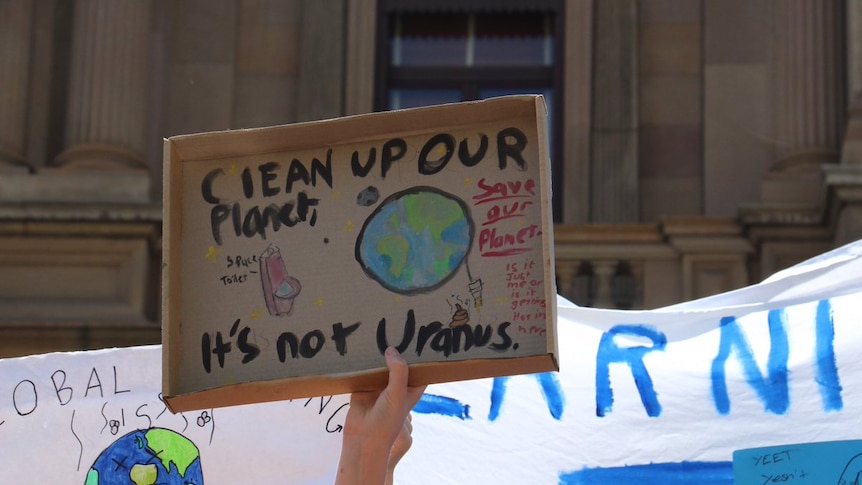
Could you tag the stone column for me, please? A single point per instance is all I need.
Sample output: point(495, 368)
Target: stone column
point(565, 272)
point(16, 21)
point(845, 180)
point(614, 158)
point(321, 73)
point(809, 99)
point(359, 56)
point(106, 114)
point(851, 152)
point(603, 271)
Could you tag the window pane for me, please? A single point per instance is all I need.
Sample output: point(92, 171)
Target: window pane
point(513, 40)
point(415, 98)
point(429, 40)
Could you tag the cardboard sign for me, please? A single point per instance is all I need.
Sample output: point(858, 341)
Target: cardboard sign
point(294, 255)
point(838, 462)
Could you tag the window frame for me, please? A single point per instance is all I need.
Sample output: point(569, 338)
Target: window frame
point(471, 79)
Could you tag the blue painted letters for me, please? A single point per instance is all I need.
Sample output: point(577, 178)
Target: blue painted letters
point(772, 389)
point(609, 352)
point(827, 369)
point(551, 391)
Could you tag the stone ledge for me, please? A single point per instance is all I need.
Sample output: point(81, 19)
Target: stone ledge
point(843, 175)
point(54, 211)
point(30, 340)
point(791, 214)
point(68, 186)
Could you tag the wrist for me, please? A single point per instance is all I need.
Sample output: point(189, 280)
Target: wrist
point(362, 462)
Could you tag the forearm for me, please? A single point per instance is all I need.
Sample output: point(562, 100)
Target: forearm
point(377, 428)
point(362, 464)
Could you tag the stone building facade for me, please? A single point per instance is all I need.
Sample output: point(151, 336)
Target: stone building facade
point(699, 145)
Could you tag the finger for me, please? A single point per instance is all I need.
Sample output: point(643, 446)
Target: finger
point(408, 424)
point(414, 394)
point(397, 387)
point(407, 433)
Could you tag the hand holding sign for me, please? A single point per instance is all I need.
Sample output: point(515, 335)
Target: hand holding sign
point(373, 425)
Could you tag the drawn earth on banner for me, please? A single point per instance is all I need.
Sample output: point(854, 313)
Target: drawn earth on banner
point(663, 396)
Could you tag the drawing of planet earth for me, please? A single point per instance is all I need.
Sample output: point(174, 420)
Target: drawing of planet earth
point(415, 240)
point(148, 457)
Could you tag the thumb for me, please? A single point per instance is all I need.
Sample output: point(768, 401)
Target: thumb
point(398, 372)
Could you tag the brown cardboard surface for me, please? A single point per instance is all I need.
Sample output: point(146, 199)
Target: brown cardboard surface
point(294, 254)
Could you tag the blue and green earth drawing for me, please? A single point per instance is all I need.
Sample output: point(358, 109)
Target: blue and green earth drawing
point(415, 240)
point(148, 457)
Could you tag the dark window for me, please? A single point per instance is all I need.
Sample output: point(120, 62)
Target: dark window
point(433, 52)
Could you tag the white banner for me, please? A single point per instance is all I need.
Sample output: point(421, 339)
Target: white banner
point(651, 397)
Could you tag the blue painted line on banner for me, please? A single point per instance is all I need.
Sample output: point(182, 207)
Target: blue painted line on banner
point(445, 406)
point(682, 473)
